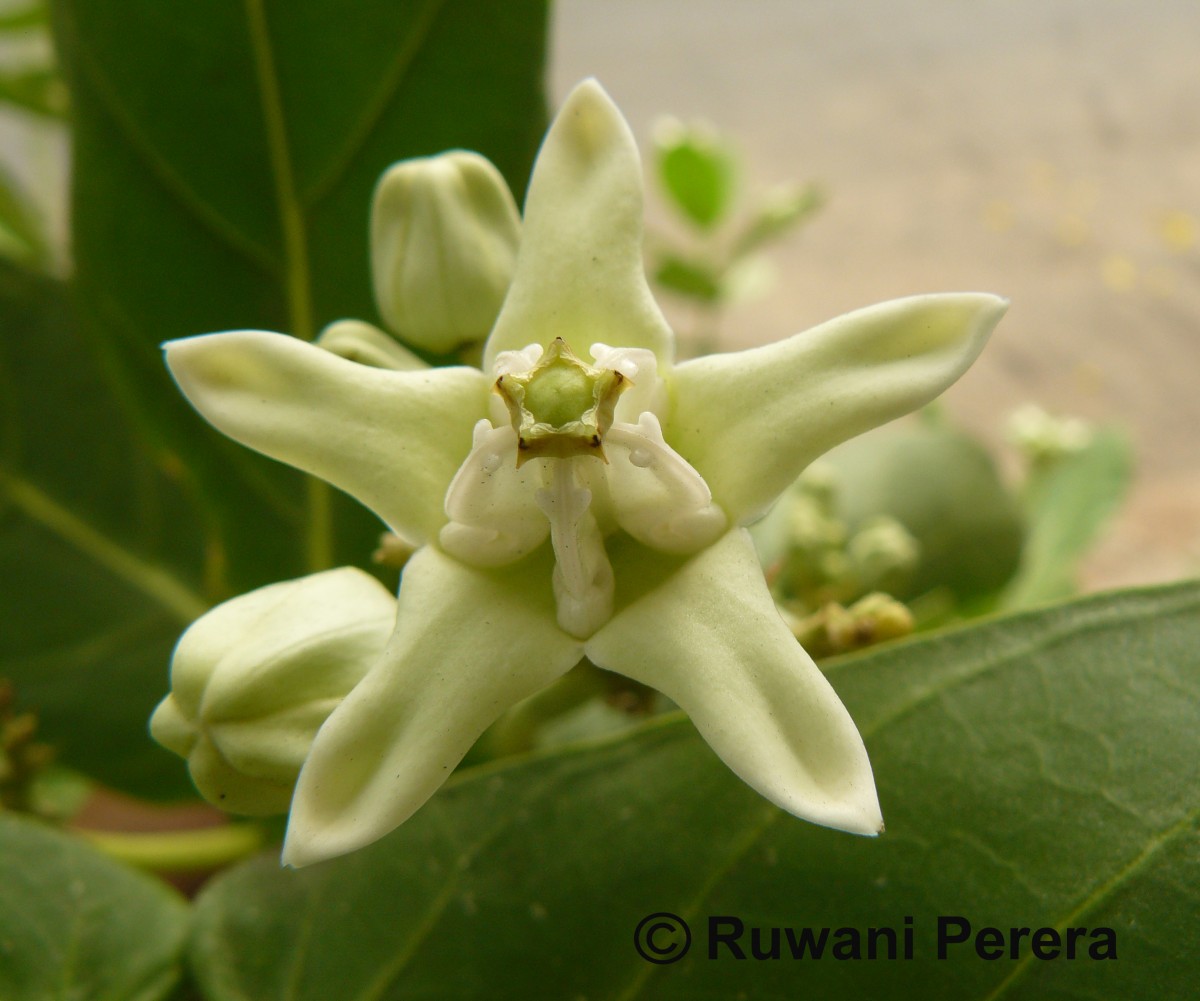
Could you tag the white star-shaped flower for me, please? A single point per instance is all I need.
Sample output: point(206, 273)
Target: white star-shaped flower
point(580, 496)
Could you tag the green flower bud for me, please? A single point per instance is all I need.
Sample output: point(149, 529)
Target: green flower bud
point(1045, 438)
point(883, 552)
point(444, 232)
point(253, 679)
point(361, 342)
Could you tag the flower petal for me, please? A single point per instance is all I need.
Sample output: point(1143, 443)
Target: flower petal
point(751, 421)
point(709, 637)
point(468, 645)
point(391, 439)
point(579, 268)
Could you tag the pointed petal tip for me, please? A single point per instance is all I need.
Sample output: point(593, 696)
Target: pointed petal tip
point(853, 814)
point(589, 89)
point(989, 310)
point(209, 356)
point(306, 845)
point(590, 123)
point(992, 307)
point(294, 857)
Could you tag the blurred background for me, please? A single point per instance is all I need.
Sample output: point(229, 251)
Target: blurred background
point(1046, 151)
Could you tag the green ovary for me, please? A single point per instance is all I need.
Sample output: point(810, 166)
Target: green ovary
point(560, 394)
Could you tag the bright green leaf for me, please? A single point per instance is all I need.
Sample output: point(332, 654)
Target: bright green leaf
point(76, 925)
point(1069, 502)
point(691, 279)
point(1038, 770)
point(39, 90)
point(34, 15)
point(697, 172)
point(20, 236)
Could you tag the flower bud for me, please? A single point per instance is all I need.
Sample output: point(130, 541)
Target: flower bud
point(444, 232)
point(365, 344)
point(1045, 438)
point(253, 680)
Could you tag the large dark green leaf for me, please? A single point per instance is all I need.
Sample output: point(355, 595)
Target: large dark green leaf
point(1034, 771)
point(88, 539)
point(224, 161)
point(76, 925)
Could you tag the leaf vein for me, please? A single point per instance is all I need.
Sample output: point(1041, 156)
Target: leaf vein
point(752, 836)
point(297, 274)
point(157, 165)
point(152, 580)
point(390, 83)
point(1101, 893)
point(389, 974)
point(1051, 637)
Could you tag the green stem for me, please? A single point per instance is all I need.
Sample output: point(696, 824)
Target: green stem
point(178, 851)
point(319, 538)
point(291, 213)
point(293, 227)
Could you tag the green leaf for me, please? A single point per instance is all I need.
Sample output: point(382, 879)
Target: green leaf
point(224, 160)
point(21, 238)
point(1069, 503)
point(90, 549)
point(40, 90)
point(24, 18)
point(688, 278)
point(1034, 771)
point(784, 208)
point(74, 924)
point(697, 172)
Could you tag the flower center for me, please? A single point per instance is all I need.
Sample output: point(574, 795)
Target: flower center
point(581, 454)
point(561, 407)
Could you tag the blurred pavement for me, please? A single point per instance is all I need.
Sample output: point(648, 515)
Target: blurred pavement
point(1048, 151)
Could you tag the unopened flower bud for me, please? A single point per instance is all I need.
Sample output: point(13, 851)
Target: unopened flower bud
point(444, 232)
point(253, 680)
point(361, 342)
point(882, 552)
point(1045, 438)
